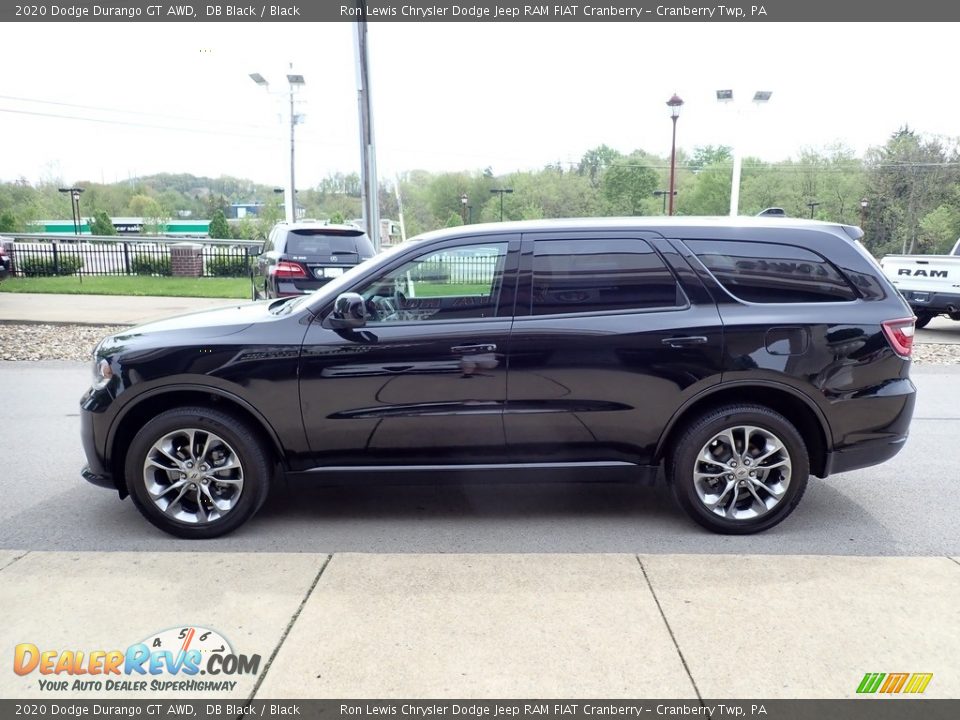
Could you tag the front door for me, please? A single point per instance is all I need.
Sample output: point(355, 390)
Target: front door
point(425, 381)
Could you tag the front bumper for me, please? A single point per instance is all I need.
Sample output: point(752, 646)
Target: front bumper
point(99, 479)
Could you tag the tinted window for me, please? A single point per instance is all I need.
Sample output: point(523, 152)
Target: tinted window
point(571, 276)
point(321, 242)
point(453, 283)
point(768, 273)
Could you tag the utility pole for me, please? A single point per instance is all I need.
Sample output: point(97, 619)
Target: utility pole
point(368, 155)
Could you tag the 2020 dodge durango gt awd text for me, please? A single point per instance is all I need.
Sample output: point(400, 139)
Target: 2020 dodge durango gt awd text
point(742, 354)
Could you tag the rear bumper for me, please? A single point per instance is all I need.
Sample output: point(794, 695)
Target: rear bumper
point(884, 419)
point(932, 302)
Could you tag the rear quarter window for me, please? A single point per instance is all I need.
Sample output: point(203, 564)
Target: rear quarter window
point(772, 273)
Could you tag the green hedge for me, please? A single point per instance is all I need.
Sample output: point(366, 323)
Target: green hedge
point(44, 265)
point(227, 265)
point(150, 265)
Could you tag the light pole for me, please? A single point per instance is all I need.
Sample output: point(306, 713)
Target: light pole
point(812, 205)
point(864, 204)
point(74, 206)
point(726, 96)
point(674, 104)
point(295, 82)
point(463, 207)
point(501, 191)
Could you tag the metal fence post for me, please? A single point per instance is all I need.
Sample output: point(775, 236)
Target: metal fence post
point(56, 258)
point(126, 258)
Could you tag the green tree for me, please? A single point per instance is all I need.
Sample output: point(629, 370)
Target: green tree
point(9, 222)
point(337, 218)
point(628, 185)
point(102, 224)
point(219, 227)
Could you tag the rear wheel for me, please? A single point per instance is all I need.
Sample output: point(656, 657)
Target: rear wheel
point(923, 319)
point(196, 472)
point(739, 469)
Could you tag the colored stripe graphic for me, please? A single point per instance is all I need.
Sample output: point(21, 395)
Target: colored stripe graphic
point(895, 682)
point(918, 682)
point(870, 682)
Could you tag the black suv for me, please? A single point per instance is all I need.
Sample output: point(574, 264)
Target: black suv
point(301, 257)
point(743, 354)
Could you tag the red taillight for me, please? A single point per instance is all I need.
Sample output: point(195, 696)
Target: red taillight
point(286, 269)
point(900, 335)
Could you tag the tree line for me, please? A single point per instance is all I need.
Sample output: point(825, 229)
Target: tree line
point(905, 193)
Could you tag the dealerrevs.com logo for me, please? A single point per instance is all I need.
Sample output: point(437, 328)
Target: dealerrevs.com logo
point(168, 661)
point(894, 683)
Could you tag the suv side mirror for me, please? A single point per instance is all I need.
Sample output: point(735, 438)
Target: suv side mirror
point(349, 312)
point(255, 250)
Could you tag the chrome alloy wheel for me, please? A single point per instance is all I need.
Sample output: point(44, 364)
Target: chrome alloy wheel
point(193, 476)
point(742, 472)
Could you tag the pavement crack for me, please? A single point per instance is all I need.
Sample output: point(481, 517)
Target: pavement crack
point(953, 560)
point(287, 629)
point(673, 637)
point(18, 557)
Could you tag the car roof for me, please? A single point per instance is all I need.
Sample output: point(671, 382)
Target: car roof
point(720, 227)
point(336, 228)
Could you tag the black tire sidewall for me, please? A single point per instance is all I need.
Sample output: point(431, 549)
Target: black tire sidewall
point(683, 461)
point(256, 469)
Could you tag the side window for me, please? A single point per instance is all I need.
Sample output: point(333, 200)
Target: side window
point(769, 273)
point(451, 284)
point(573, 276)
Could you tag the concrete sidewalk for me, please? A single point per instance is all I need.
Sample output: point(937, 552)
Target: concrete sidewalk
point(99, 309)
point(486, 626)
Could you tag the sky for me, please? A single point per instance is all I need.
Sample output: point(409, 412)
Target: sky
point(111, 101)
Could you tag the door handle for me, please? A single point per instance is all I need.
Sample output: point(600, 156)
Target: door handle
point(679, 342)
point(474, 348)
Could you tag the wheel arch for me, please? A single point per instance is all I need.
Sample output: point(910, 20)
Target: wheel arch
point(800, 410)
point(150, 404)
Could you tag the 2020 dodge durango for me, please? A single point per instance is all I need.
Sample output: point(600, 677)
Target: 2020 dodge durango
point(742, 354)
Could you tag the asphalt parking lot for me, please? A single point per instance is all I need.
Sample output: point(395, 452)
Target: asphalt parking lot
point(907, 506)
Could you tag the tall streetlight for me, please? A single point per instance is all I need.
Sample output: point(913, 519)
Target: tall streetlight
point(501, 191)
point(295, 82)
point(864, 204)
point(813, 204)
point(74, 207)
point(674, 104)
point(463, 207)
point(726, 96)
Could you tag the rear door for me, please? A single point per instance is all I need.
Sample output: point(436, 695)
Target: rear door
point(613, 333)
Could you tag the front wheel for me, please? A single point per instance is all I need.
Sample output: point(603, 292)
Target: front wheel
point(197, 473)
point(739, 469)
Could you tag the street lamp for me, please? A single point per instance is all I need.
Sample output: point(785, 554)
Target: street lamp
point(674, 104)
point(501, 191)
point(74, 206)
point(726, 96)
point(463, 207)
point(295, 82)
point(812, 205)
point(663, 194)
point(864, 204)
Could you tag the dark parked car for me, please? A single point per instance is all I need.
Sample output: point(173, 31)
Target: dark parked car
point(743, 354)
point(301, 257)
point(4, 261)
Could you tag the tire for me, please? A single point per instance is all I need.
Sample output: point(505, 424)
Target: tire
point(923, 320)
point(720, 497)
point(192, 499)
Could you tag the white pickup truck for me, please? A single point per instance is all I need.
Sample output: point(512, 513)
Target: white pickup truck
point(930, 283)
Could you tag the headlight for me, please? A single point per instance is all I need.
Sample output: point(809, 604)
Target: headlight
point(102, 373)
